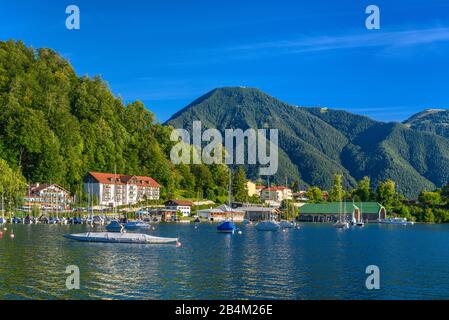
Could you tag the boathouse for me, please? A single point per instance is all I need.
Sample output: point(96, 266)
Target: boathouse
point(330, 212)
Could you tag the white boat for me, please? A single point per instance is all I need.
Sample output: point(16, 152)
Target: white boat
point(398, 221)
point(97, 220)
point(120, 238)
point(286, 224)
point(341, 225)
point(268, 225)
point(247, 222)
point(132, 225)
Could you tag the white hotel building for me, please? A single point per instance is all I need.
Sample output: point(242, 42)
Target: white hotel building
point(113, 190)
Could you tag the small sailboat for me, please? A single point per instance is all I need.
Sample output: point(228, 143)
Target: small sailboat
point(268, 224)
point(341, 223)
point(228, 226)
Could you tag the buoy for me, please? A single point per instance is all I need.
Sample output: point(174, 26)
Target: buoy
point(4, 229)
point(11, 235)
point(178, 244)
point(153, 228)
point(196, 227)
point(284, 230)
point(240, 232)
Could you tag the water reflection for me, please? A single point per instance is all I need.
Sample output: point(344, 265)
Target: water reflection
point(316, 262)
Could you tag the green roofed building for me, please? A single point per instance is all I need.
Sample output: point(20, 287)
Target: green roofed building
point(329, 212)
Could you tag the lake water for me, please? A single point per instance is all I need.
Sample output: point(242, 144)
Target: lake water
point(316, 262)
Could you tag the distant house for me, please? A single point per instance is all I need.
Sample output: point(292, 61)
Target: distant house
point(300, 196)
point(277, 194)
point(183, 206)
point(110, 189)
point(329, 212)
point(222, 213)
point(260, 213)
point(47, 196)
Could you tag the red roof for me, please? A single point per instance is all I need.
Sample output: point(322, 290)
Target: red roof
point(122, 179)
point(185, 203)
point(260, 187)
point(276, 189)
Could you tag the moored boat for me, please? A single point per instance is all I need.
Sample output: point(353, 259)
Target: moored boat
point(397, 220)
point(268, 225)
point(227, 227)
point(286, 224)
point(138, 238)
point(133, 225)
point(114, 226)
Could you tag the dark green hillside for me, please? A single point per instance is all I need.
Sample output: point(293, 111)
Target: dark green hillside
point(310, 146)
point(431, 120)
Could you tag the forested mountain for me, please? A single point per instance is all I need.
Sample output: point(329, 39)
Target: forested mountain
point(430, 120)
point(315, 143)
point(56, 126)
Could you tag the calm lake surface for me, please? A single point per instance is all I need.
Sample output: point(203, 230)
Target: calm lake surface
point(316, 262)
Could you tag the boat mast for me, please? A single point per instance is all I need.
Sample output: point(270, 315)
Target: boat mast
point(3, 206)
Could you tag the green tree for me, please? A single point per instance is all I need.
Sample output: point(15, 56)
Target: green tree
point(386, 194)
point(315, 195)
point(363, 190)
point(429, 217)
point(12, 184)
point(337, 193)
point(430, 199)
point(239, 191)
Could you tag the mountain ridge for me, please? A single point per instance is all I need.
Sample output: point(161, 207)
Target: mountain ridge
point(318, 142)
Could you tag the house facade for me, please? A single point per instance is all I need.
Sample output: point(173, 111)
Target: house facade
point(47, 197)
point(277, 194)
point(222, 213)
point(112, 190)
point(183, 206)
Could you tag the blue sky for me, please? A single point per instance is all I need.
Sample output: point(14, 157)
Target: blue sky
point(307, 53)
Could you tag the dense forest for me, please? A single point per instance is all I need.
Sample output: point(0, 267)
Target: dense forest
point(56, 126)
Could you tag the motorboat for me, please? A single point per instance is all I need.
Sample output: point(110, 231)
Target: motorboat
point(16, 220)
point(247, 222)
point(133, 225)
point(97, 220)
point(27, 220)
point(397, 220)
point(341, 225)
point(113, 237)
point(268, 225)
point(53, 221)
point(286, 224)
point(114, 226)
point(226, 227)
